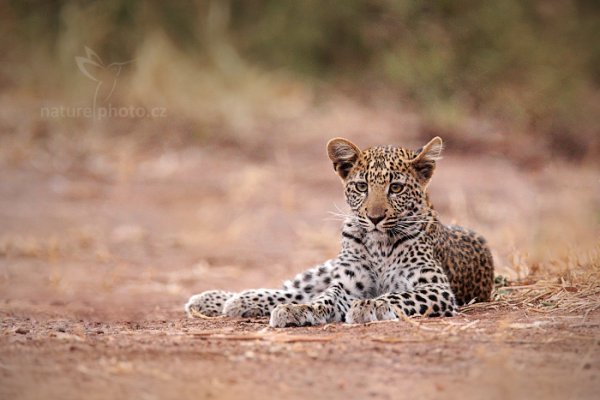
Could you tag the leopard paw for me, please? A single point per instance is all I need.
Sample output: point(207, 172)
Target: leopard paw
point(209, 303)
point(363, 311)
point(296, 315)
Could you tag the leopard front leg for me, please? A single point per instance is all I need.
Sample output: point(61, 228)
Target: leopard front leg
point(432, 300)
point(260, 302)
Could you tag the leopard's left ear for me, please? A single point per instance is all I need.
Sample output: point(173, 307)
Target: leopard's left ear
point(424, 162)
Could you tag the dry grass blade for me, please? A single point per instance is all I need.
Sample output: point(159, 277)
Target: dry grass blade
point(220, 336)
point(411, 321)
point(468, 326)
point(389, 339)
point(284, 338)
point(264, 335)
point(529, 325)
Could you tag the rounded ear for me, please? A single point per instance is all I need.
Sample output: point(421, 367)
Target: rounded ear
point(344, 154)
point(424, 162)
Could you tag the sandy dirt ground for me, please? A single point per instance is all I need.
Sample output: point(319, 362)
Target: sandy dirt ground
point(99, 250)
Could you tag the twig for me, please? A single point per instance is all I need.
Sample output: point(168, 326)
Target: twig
point(197, 314)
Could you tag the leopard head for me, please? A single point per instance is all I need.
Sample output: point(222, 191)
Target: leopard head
point(385, 187)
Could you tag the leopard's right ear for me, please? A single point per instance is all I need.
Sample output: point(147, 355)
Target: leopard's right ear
point(344, 154)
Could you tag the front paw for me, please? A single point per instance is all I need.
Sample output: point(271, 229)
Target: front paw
point(363, 311)
point(296, 315)
point(209, 303)
point(246, 305)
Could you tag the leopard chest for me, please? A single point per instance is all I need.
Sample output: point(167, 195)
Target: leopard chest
point(389, 267)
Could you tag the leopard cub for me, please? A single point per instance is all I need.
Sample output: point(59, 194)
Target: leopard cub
point(396, 256)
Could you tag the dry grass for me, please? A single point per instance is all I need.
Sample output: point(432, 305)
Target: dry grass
point(576, 289)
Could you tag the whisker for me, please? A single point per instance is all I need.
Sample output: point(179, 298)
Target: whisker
point(341, 214)
point(334, 218)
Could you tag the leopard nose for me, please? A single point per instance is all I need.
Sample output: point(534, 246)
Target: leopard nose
point(377, 219)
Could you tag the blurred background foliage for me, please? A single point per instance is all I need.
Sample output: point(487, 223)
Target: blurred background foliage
point(530, 68)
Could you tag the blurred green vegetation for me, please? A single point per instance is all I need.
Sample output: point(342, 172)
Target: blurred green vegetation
point(533, 66)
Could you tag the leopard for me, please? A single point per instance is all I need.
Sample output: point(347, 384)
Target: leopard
point(397, 259)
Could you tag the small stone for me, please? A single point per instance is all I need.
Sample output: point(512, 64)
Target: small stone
point(22, 331)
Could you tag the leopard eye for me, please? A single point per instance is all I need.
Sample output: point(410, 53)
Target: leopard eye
point(361, 186)
point(396, 188)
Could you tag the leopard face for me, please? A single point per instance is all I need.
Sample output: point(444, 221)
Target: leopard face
point(385, 187)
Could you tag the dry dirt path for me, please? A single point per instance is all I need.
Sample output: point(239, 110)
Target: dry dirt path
point(97, 259)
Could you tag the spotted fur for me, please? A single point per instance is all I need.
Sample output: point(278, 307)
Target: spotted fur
point(396, 257)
